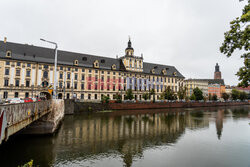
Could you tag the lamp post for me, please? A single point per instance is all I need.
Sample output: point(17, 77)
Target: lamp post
point(55, 70)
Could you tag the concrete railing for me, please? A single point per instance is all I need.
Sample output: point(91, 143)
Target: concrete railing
point(14, 117)
point(16, 113)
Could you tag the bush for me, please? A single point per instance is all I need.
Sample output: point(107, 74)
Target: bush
point(118, 98)
point(105, 99)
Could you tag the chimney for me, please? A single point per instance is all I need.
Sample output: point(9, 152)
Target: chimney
point(5, 39)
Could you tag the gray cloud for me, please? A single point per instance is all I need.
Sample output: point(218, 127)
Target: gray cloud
point(183, 33)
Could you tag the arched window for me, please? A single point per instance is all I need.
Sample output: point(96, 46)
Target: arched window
point(45, 84)
point(8, 53)
point(45, 74)
point(96, 64)
point(113, 67)
point(76, 62)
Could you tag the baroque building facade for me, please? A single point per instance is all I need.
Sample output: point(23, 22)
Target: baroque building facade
point(28, 71)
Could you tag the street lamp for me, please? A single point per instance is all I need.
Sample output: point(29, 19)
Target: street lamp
point(55, 70)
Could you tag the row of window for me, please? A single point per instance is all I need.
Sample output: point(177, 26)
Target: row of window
point(18, 71)
point(16, 95)
point(18, 64)
point(17, 83)
point(45, 75)
point(95, 96)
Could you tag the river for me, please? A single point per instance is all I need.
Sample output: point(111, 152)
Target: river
point(193, 137)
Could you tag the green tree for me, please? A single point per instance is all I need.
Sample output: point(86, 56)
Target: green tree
point(118, 98)
point(145, 96)
point(238, 38)
point(225, 96)
point(192, 97)
point(214, 97)
point(152, 93)
point(129, 95)
point(169, 94)
point(198, 94)
point(235, 94)
point(105, 99)
point(182, 93)
point(209, 96)
point(243, 96)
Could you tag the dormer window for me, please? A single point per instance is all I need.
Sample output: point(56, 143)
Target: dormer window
point(96, 64)
point(153, 71)
point(84, 59)
point(102, 61)
point(175, 73)
point(8, 53)
point(113, 67)
point(164, 72)
point(76, 62)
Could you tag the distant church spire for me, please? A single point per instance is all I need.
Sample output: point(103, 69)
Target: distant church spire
point(217, 73)
point(217, 68)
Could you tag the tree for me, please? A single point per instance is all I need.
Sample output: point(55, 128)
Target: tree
point(182, 93)
point(105, 99)
point(243, 96)
point(152, 92)
point(145, 96)
point(235, 94)
point(192, 97)
point(198, 94)
point(238, 38)
point(225, 96)
point(118, 98)
point(209, 96)
point(129, 95)
point(214, 97)
point(168, 94)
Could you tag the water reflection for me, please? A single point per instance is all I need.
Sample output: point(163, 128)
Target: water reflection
point(123, 136)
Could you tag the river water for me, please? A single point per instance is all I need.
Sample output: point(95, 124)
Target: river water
point(197, 137)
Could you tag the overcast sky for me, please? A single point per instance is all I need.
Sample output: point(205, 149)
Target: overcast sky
point(183, 33)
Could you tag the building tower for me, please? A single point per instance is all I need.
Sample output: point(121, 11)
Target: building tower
point(217, 73)
point(129, 50)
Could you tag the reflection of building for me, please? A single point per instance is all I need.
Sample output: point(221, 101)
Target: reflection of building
point(130, 135)
point(27, 70)
point(219, 123)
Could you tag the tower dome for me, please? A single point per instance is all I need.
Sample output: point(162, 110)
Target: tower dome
point(129, 50)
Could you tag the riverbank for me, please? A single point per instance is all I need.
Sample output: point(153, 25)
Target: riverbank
point(72, 107)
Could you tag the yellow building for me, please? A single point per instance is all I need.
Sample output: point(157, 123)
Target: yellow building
point(28, 71)
point(194, 83)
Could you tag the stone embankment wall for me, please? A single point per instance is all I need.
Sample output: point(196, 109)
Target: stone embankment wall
point(49, 123)
point(134, 106)
point(72, 107)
